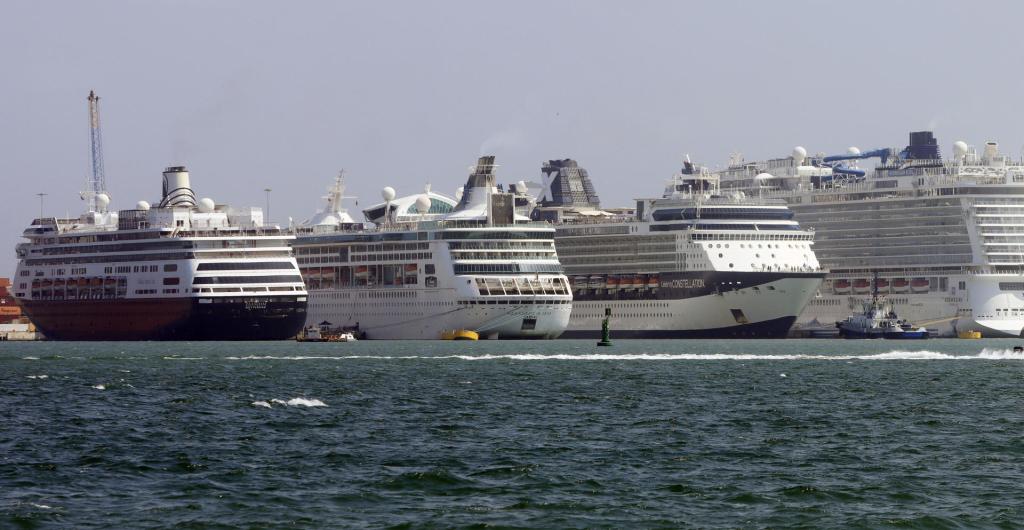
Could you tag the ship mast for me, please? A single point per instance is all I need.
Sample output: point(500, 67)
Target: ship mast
point(97, 180)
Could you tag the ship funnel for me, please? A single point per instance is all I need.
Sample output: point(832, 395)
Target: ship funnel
point(177, 188)
point(991, 150)
point(479, 185)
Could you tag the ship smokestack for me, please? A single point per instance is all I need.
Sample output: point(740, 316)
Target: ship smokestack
point(177, 188)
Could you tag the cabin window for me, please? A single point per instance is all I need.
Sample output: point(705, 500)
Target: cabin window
point(171, 267)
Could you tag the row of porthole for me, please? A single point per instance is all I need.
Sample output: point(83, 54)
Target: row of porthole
point(743, 245)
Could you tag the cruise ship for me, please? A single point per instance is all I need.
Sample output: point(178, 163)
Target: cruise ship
point(425, 264)
point(182, 269)
point(694, 263)
point(945, 236)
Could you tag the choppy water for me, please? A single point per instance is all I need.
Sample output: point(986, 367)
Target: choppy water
point(527, 434)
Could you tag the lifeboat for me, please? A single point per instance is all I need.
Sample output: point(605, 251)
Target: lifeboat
point(653, 282)
point(410, 268)
point(861, 286)
point(96, 282)
point(638, 282)
point(47, 283)
point(459, 334)
point(968, 334)
point(882, 284)
point(362, 271)
point(841, 286)
point(596, 282)
point(900, 285)
point(919, 285)
point(579, 282)
point(612, 282)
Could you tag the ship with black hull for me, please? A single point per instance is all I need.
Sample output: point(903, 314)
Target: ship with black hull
point(693, 263)
point(182, 269)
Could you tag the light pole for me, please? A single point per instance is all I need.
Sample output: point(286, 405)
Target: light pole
point(41, 195)
point(268, 190)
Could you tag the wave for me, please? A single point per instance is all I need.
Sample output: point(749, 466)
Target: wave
point(43, 376)
point(894, 355)
point(293, 402)
point(100, 387)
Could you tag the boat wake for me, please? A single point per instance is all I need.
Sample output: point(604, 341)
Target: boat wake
point(293, 402)
point(895, 355)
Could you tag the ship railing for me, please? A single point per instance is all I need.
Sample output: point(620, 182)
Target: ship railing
point(413, 226)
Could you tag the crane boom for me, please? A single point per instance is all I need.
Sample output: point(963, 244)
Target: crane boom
point(97, 182)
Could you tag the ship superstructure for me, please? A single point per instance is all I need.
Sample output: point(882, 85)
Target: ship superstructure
point(945, 236)
point(694, 263)
point(428, 264)
point(183, 269)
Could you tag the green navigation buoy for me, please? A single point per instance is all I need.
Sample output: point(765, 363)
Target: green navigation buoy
point(605, 338)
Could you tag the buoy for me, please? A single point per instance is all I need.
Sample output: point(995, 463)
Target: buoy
point(605, 332)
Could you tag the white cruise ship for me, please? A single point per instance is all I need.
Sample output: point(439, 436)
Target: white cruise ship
point(430, 265)
point(184, 269)
point(692, 264)
point(945, 237)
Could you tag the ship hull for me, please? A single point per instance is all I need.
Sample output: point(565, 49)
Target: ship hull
point(245, 318)
point(700, 305)
point(429, 313)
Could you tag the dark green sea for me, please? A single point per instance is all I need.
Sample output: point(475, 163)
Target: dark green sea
point(556, 434)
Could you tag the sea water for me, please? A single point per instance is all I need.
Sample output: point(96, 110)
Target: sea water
point(526, 434)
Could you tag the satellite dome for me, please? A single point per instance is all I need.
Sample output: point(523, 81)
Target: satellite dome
point(799, 154)
point(102, 201)
point(422, 204)
point(142, 205)
point(388, 193)
point(959, 148)
point(853, 151)
point(521, 186)
point(206, 205)
point(764, 176)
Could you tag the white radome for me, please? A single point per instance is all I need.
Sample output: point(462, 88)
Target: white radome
point(207, 205)
point(799, 154)
point(422, 204)
point(853, 150)
point(388, 193)
point(764, 176)
point(960, 148)
point(142, 205)
point(458, 193)
point(102, 201)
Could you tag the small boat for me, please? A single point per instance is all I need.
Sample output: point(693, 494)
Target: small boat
point(968, 334)
point(653, 281)
point(323, 333)
point(596, 282)
point(900, 285)
point(638, 282)
point(841, 286)
point(861, 286)
point(878, 320)
point(579, 282)
point(882, 284)
point(919, 285)
point(459, 334)
point(612, 282)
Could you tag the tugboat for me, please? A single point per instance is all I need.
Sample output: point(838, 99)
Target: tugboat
point(878, 321)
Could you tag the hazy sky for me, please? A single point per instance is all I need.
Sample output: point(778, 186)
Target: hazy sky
point(253, 94)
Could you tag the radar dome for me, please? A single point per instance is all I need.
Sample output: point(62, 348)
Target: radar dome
point(799, 154)
point(960, 148)
point(388, 193)
point(422, 204)
point(853, 151)
point(521, 186)
point(206, 205)
point(142, 205)
point(764, 176)
point(102, 201)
